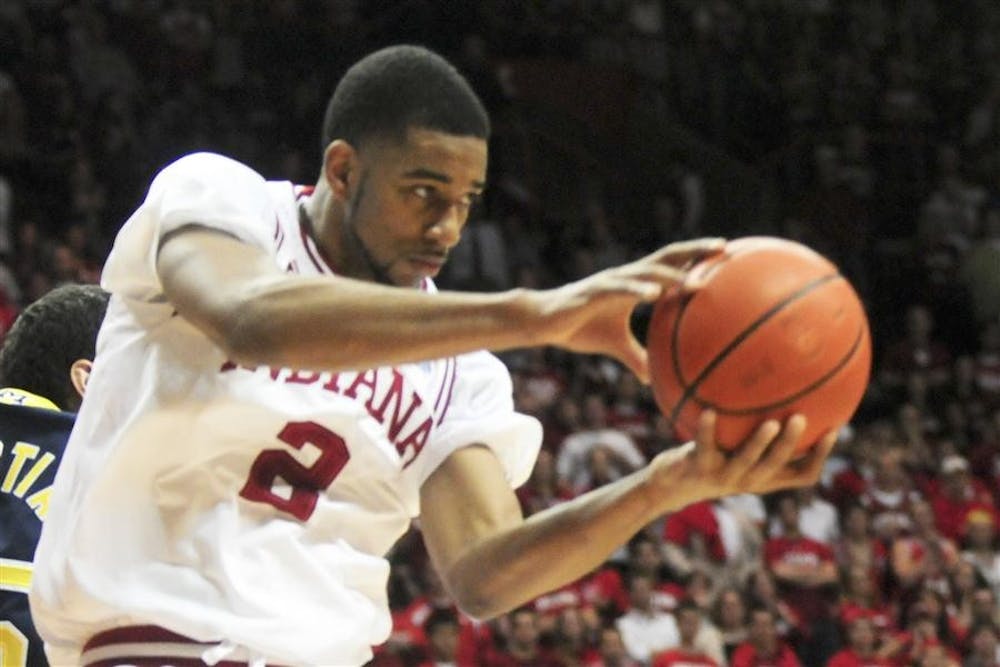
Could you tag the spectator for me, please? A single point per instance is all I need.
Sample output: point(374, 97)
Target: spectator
point(543, 489)
point(687, 653)
point(611, 651)
point(818, 519)
point(918, 350)
point(441, 628)
point(960, 494)
point(861, 597)
point(862, 642)
point(708, 536)
point(763, 648)
point(631, 411)
point(984, 646)
point(763, 592)
point(982, 546)
point(858, 546)
point(623, 456)
point(573, 638)
point(522, 646)
point(890, 495)
point(729, 615)
point(646, 558)
point(645, 630)
point(923, 554)
point(806, 574)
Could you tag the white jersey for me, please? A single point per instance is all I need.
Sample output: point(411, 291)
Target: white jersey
point(252, 506)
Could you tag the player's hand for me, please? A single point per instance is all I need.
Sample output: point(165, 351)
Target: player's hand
point(592, 315)
point(767, 461)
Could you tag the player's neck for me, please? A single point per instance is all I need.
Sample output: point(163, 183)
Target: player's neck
point(323, 223)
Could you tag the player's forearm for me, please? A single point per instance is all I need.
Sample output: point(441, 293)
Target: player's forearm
point(557, 546)
point(311, 324)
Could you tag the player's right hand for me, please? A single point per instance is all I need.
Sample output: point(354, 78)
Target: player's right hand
point(591, 315)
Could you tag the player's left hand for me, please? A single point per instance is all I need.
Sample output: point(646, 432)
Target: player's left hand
point(767, 461)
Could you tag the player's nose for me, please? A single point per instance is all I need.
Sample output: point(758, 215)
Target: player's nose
point(447, 228)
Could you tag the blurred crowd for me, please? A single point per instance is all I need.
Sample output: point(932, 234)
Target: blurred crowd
point(878, 123)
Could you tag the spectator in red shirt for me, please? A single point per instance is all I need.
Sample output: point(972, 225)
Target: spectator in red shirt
point(861, 597)
point(687, 653)
point(522, 646)
point(860, 651)
point(763, 648)
point(409, 637)
point(709, 536)
point(857, 470)
point(806, 574)
point(611, 651)
point(441, 629)
point(959, 494)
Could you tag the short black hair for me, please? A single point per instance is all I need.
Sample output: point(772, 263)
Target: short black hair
point(394, 89)
point(48, 336)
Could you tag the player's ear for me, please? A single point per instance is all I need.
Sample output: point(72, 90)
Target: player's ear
point(79, 374)
point(339, 160)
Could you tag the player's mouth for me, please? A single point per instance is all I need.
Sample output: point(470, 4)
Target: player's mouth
point(428, 265)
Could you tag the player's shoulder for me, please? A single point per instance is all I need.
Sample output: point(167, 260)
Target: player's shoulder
point(483, 367)
point(209, 168)
point(32, 421)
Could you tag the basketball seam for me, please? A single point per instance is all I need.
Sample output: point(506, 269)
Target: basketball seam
point(794, 397)
point(690, 390)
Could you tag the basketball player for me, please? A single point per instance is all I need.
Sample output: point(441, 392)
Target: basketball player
point(44, 364)
point(279, 391)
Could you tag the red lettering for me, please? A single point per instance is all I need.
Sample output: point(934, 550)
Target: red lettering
point(368, 379)
point(417, 439)
point(333, 384)
point(302, 377)
point(395, 392)
point(306, 482)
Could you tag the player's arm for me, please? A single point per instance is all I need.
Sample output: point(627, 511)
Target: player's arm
point(233, 292)
point(492, 560)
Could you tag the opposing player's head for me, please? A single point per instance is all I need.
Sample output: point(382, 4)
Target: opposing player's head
point(49, 349)
point(404, 141)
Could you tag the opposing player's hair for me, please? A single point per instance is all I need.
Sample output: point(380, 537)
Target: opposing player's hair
point(48, 336)
point(401, 87)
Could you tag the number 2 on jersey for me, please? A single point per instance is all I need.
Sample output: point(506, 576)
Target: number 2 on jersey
point(305, 482)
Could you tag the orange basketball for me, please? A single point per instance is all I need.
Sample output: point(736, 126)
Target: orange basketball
point(776, 330)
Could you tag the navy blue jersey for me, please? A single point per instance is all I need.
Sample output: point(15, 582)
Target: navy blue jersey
point(32, 440)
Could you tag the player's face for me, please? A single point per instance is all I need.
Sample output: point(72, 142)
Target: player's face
point(412, 201)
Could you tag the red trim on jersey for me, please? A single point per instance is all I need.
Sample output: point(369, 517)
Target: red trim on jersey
point(451, 387)
point(317, 257)
point(448, 367)
point(135, 661)
point(148, 634)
